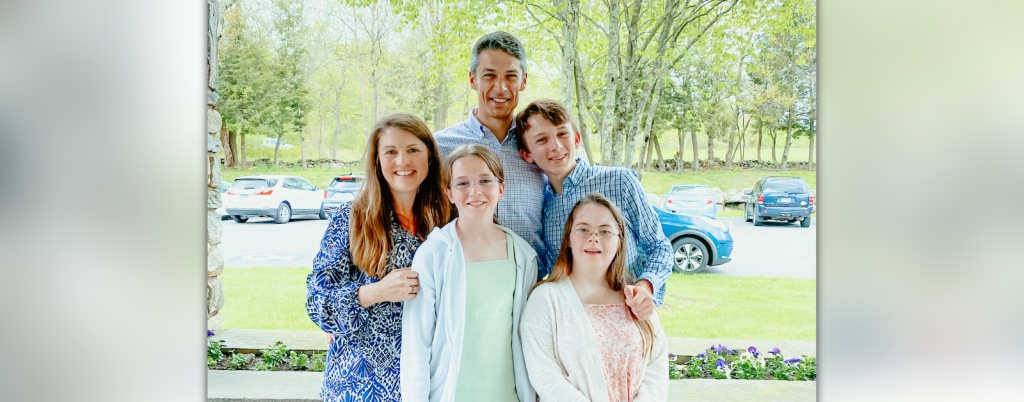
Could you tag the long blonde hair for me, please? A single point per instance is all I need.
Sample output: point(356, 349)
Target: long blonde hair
point(370, 239)
point(617, 275)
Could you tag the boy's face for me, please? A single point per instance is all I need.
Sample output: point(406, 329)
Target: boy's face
point(551, 147)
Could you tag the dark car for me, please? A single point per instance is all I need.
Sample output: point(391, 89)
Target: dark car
point(780, 198)
point(342, 189)
point(697, 241)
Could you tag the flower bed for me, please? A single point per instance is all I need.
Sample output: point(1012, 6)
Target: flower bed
point(274, 358)
point(723, 363)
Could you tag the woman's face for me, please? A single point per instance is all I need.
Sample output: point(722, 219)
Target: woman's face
point(594, 249)
point(403, 160)
point(474, 190)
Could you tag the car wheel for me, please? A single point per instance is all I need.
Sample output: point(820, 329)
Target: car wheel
point(691, 256)
point(757, 219)
point(239, 218)
point(806, 222)
point(323, 214)
point(746, 217)
point(284, 213)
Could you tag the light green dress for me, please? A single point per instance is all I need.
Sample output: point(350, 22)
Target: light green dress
point(486, 372)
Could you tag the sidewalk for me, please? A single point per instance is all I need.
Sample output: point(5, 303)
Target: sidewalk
point(299, 386)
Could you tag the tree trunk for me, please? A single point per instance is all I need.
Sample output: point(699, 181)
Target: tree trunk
point(582, 102)
point(729, 150)
point(759, 127)
point(612, 79)
point(302, 148)
point(233, 140)
point(646, 166)
point(337, 124)
point(693, 141)
point(682, 143)
point(229, 159)
point(775, 134)
point(644, 152)
point(277, 147)
point(810, 154)
point(244, 166)
point(657, 147)
point(789, 140)
point(711, 148)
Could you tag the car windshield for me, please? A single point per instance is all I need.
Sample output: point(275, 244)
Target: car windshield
point(249, 184)
point(347, 184)
point(786, 186)
point(690, 190)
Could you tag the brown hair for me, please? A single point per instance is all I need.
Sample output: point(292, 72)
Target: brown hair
point(370, 239)
point(480, 151)
point(617, 275)
point(550, 109)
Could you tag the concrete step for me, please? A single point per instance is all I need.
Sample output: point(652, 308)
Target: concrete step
point(299, 386)
point(252, 340)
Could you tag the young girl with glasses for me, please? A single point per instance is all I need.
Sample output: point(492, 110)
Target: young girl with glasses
point(580, 340)
point(460, 337)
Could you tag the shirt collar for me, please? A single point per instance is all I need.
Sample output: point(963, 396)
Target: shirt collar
point(575, 177)
point(482, 130)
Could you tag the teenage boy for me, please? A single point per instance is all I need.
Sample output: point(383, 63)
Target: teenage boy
point(497, 71)
point(548, 137)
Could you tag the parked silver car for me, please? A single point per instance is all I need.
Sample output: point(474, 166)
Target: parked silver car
point(693, 199)
point(342, 189)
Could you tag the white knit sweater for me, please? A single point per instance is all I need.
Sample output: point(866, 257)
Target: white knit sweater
point(561, 351)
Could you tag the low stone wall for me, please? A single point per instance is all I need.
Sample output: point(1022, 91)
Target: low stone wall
point(310, 163)
point(671, 166)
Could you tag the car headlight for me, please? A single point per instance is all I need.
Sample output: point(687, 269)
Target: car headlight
point(714, 223)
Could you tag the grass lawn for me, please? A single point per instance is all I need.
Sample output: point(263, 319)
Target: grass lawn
point(697, 306)
point(715, 306)
point(660, 183)
point(266, 298)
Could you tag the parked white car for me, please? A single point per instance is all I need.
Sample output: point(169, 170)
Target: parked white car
point(276, 196)
point(272, 142)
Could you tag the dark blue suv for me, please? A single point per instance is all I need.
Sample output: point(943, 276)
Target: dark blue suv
point(780, 198)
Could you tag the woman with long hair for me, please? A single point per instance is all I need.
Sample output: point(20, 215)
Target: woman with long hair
point(361, 275)
point(460, 339)
point(580, 340)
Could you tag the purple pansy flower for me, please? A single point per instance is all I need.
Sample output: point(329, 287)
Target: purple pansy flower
point(701, 355)
point(792, 360)
point(754, 351)
point(775, 351)
point(209, 333)
point(720, 365)
point(671, 355)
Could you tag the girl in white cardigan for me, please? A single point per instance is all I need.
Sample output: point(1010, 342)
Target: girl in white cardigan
point(580, 340)
point(460, 335)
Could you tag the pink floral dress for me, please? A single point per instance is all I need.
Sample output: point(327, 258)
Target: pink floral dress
point(621, 346)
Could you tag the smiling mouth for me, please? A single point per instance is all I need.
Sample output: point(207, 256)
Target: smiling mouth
point(592, 251)
point(499, 100)
point(559, 159)
point(404, 172)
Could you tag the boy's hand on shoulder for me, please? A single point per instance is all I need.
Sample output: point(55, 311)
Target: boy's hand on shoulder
point(639, 299)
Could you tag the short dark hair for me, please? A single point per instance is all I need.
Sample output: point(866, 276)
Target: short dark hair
point(550, 109)
point(498, 40)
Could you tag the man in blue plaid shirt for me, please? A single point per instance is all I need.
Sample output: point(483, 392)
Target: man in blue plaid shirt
point(498, 73)
point(548, 137)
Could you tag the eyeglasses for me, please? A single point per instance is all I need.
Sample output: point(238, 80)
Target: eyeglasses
point(486, 183)
point(585, 233)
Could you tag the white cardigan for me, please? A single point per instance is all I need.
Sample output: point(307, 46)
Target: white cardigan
point(433, 323)
point(562, 354)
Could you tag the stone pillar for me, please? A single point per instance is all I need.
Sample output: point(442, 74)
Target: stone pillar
point(214, 261)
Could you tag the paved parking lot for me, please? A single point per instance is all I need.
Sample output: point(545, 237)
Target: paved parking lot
point(775, 249)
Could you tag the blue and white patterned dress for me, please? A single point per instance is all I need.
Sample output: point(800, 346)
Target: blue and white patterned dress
point(362, 362)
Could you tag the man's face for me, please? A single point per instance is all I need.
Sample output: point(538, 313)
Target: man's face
point(551, 147)
point(497, 80)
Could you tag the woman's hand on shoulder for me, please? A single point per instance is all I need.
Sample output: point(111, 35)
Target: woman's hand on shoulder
point(398, 285)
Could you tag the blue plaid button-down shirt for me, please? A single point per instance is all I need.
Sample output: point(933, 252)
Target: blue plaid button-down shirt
point(521, 206)
point(621, 186)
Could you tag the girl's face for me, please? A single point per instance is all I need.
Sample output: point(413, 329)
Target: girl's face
point(474, 190)
point(594, 237)
point(403, 160)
